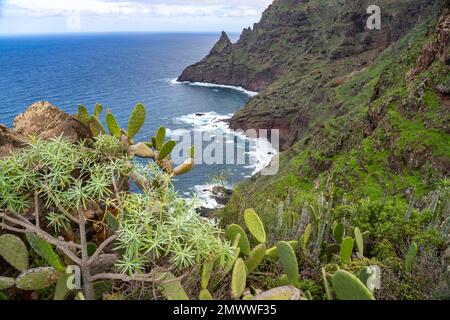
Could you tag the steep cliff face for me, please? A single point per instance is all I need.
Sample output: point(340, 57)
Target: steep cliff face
point(298, 53)
point(389, 136)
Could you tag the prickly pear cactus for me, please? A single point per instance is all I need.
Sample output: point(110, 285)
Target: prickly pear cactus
point(172, 290)
point(14, 251)
point(96, 127)
point(113, 125)
point(347, 250)
point(98, 109)
point(238, 279)
point(232, 231)
point(255, 258)
point(348, 287)
point(159, 139)
point(6, 283)
point(205, 295)
point(255, 225)
point(38, 278)
point(185, 167)
point(339, 232)
point(83, 115)
point(411, 257)
point(137, 120)
point(289, 262)
point(359, 242)
point(280, 293)
point(207, 270)
point(273, 252)
point(141, 150)
point(45, 250)
point(167, 149)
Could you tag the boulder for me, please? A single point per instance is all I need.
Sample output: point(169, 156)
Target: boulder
point(44, 120)
point(9, 141)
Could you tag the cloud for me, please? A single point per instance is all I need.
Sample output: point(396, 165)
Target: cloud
point(127, 8)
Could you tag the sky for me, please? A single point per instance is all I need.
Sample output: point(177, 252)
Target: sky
point(60, 16)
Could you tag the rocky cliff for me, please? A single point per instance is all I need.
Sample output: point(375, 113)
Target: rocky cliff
point(298, 53)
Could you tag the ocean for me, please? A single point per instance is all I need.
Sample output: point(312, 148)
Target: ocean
point(119, 70)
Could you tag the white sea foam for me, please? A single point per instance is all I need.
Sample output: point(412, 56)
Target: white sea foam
point(214, 85)
point(260, 150)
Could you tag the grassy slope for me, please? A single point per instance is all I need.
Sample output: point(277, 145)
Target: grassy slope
point(407, 149)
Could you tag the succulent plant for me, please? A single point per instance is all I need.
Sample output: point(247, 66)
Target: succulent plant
point(113, 125)
point(326, 285)
point(238, 279)
point(280, 293)
point(6, 283)
point(83, 115)
point(136, 121)
point(244, 244)
point(166, 149)
point(37, 278)
point(364, 275)
point(348, 287)
point(273, 252)
point(304, 240)
point(347, 250)
point(255, 258)
point(172, 288)
point(207, 270)
point(45, 250)
point(359, 242)
point(411, 257)
point(205, 295)
point(14, 251)
point(255, 225)
point(339, 232)
point(288, 259)
point(61, 289)
point(158, 141)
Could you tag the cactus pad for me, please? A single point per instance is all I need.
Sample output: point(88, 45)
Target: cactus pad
point(348, 287)
point(411, 257)
point(347, 250)
point(160, 137)
point(6, 283)
point(45, 250)
point(137, 120)
point(280, 293)
point(98, 109)
point(255, 258)
point(238, 279)
point(339, 232)
point(273, 252)
point(232, 231)
point(255, 225)
point(207, 270)
point(167, 149)
point(36, 279)
point(141, 150)
point(289, 261)
point(14, 251)
point(113, 125)
point(359, 242)
point(172, 290)
point(205, 295)
point(83, 115)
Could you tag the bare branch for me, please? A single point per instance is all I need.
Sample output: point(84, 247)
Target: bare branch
point(101, 248)
point(36, 209)
point(61, 245)
point(9, 228)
